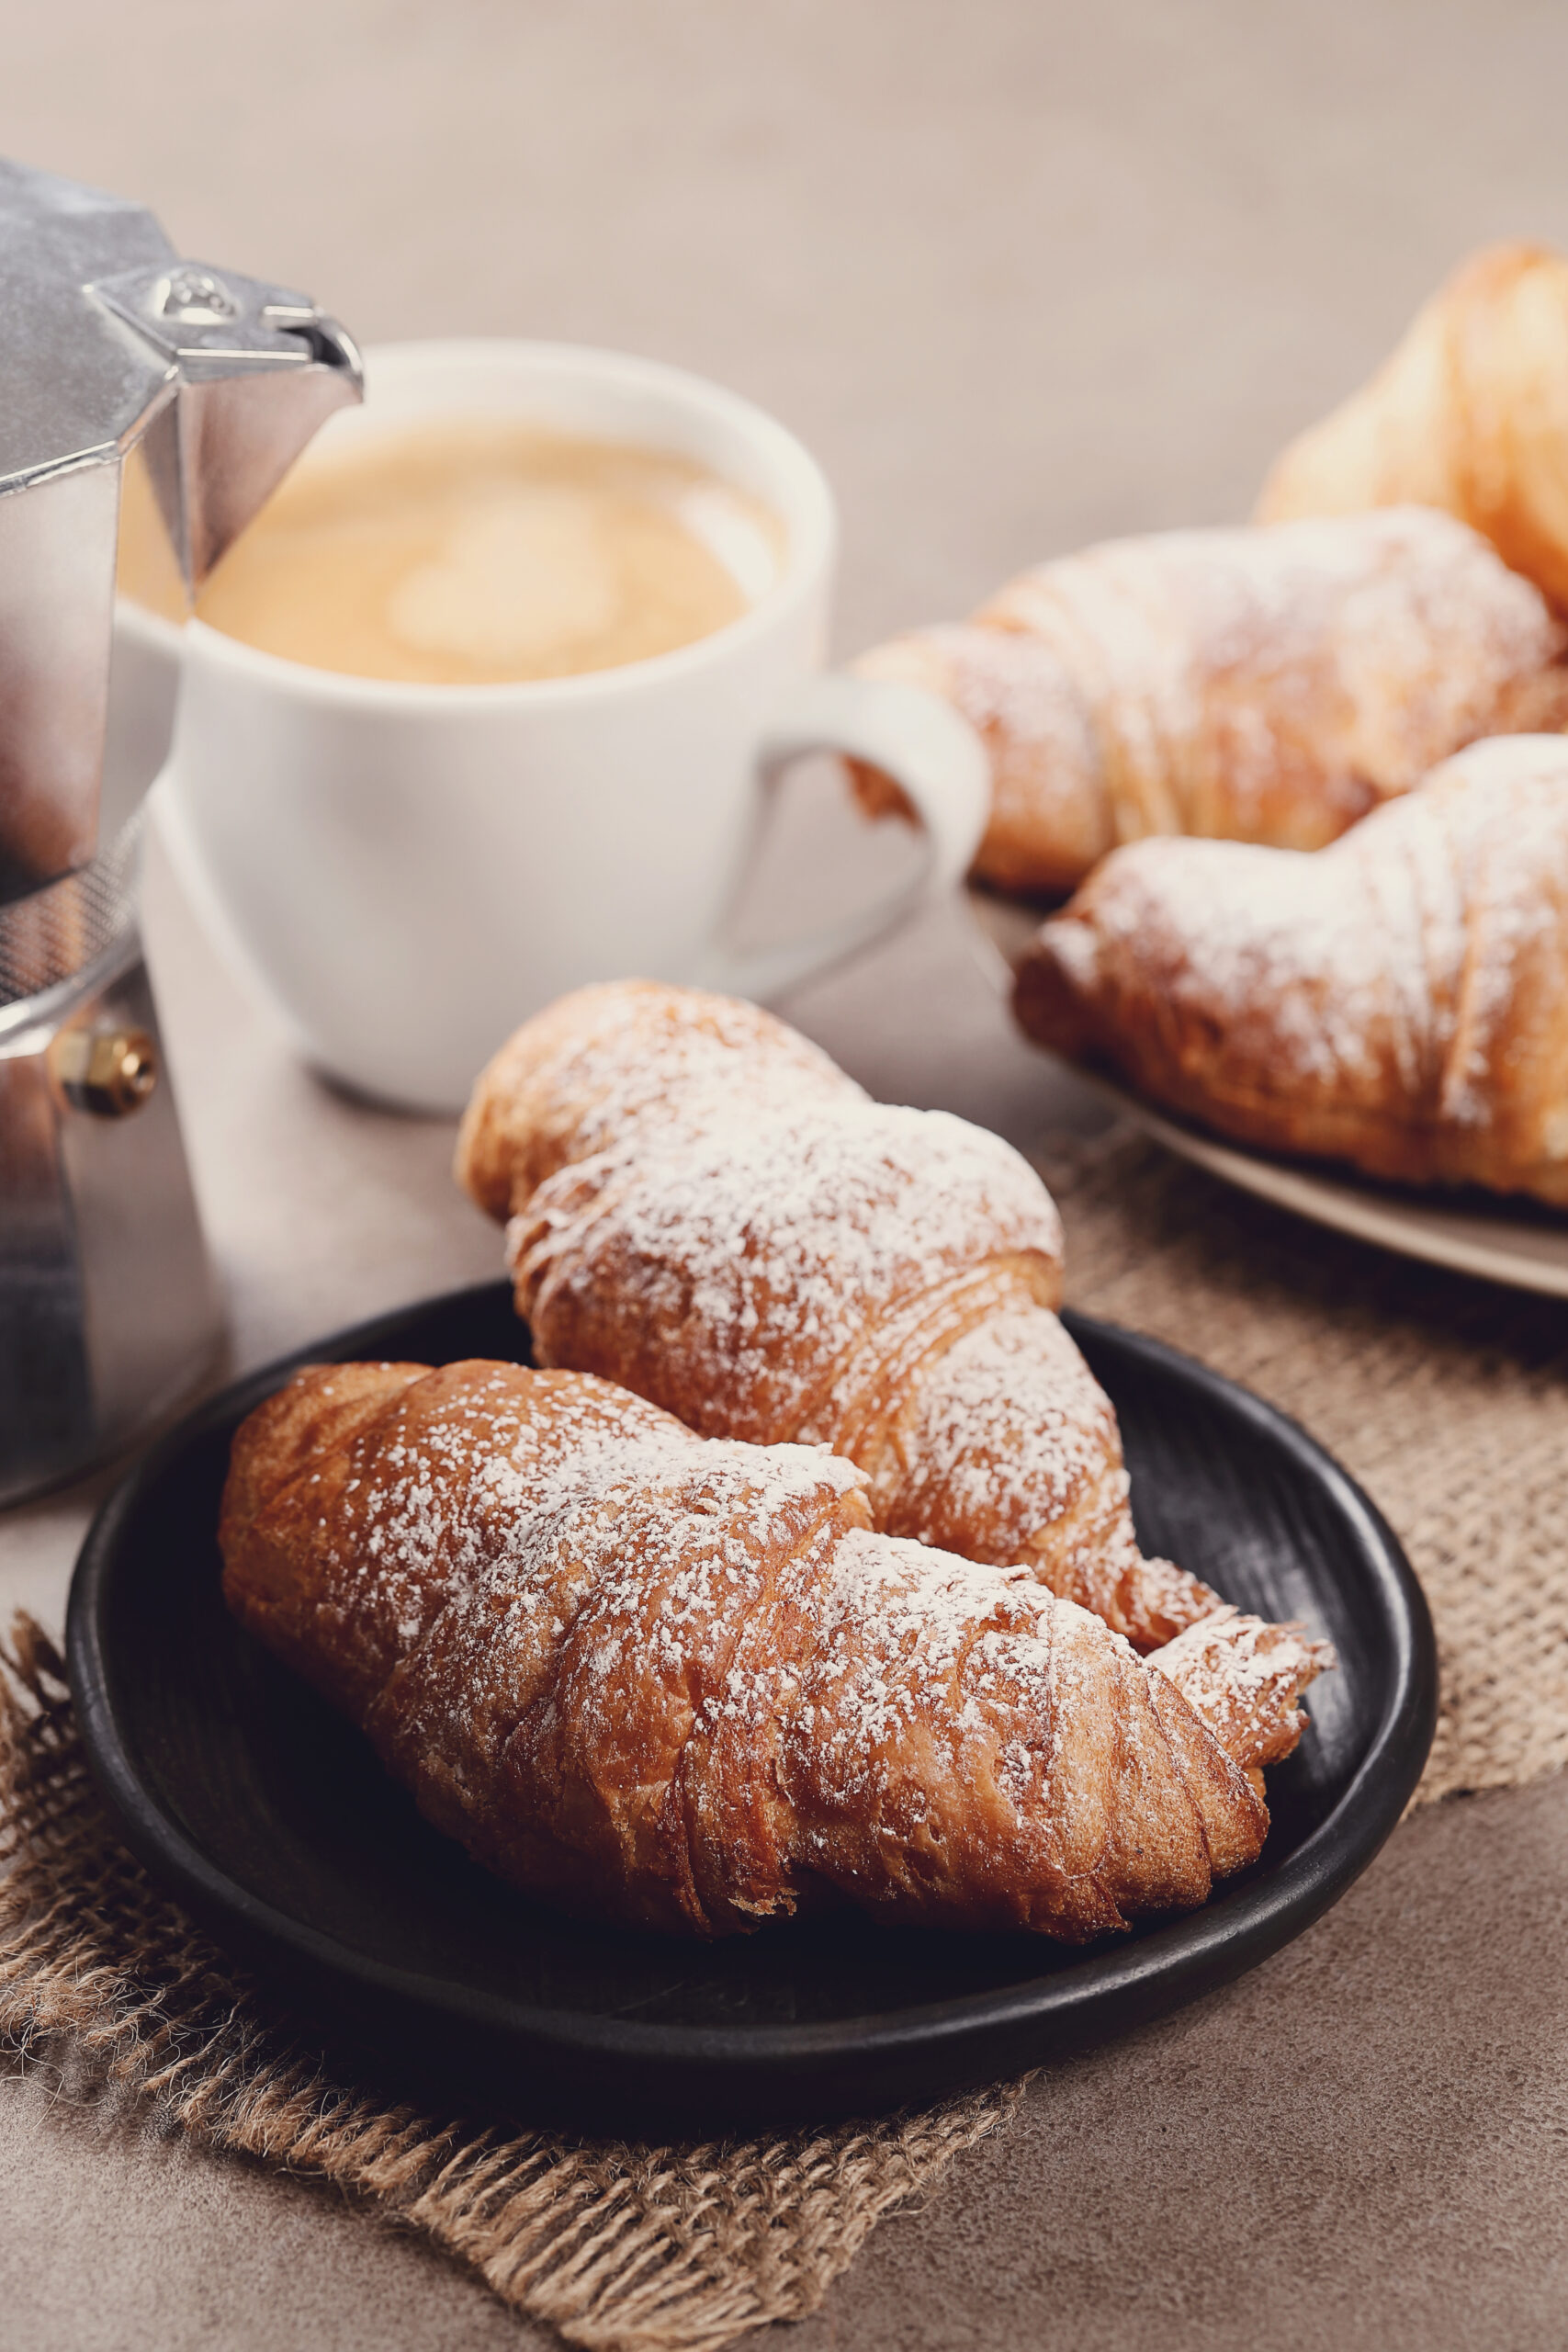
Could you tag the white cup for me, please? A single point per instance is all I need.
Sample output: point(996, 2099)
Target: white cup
point(409, 871)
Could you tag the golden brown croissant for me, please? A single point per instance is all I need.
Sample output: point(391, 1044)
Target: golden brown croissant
point(1259, 685)
point(704, 1209)
point(1399, 1001)
point(678, 1683)
point(1469, 413)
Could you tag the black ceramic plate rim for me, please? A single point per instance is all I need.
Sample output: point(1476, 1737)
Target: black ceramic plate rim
point(1222, 1939)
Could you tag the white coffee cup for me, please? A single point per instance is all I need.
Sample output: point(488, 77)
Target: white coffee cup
point(409, 871)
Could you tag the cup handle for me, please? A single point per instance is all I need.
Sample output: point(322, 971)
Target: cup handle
point(924, 746)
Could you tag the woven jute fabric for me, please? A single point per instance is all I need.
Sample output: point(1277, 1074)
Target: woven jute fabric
point(622, 2248)
point(1446, 1396)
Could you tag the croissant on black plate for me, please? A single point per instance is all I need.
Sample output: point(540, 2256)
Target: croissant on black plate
point(681, 1684)
point(706, 1210)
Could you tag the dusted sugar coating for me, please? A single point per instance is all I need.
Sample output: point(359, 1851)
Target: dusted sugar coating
point(706, 1210)
point(579, 1076)
point(1399, 1001)
point(1052, 818)
point(678, 1683)
point(1261, 685)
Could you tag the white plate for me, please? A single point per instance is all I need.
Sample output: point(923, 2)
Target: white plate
point(1514, 1242)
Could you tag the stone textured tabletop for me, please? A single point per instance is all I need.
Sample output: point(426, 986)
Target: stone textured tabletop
point(1022, 275)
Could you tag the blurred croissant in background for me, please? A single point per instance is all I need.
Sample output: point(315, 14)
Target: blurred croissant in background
point(1399, 1001)
point(1471, 413)
point(1253, 685)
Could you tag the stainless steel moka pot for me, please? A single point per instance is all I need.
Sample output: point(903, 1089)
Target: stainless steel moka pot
point(133, 386)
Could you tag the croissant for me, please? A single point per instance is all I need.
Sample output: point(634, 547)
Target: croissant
point(1399, 1001)
point(704, 1209)
point(1469, 413)
point(679, 1684)
point(1260, 685)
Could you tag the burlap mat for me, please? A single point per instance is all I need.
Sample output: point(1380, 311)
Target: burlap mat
point(621, 2248)
point(1446, 1397)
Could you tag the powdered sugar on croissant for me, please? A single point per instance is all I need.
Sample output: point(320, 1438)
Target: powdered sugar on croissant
point(706, 1210)
point(680, 1683)
point(1269, 684)
point(1399, 1001)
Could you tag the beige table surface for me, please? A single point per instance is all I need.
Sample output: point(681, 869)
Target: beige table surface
point(1022, 273)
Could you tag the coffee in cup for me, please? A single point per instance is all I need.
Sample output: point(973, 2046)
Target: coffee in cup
point(475, 550)
point(408, 865)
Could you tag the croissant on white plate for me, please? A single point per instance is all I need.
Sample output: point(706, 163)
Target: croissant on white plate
point(704, 1209)
point(680, 1684)
point(1469, 413)
point(1265, 685)
point(1399, 1001)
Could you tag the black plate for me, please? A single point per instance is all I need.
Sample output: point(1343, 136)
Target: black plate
point(270, 1818)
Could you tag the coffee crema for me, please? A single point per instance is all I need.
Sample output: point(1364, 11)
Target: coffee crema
point(467, 551)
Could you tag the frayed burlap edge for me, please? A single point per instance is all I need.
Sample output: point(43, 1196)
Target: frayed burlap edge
point(619, 2247)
